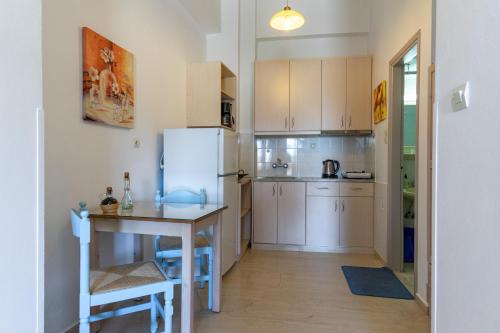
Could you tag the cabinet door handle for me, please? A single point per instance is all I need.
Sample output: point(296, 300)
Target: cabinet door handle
point(286, 122)
point(293, 122)
point(357, 189)
point(343, 207)
point(342, 122)
point(281, 191)
point(336, 205)
point(350, 121)
point(322, 188)
point(274, 190)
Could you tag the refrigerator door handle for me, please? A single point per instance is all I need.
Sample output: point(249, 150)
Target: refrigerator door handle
point(162, 161)
point(227, 174)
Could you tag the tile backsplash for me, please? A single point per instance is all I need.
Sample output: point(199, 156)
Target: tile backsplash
point(305, 155)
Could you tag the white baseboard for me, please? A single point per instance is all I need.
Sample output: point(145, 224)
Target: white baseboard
point(379, 257)
point(423, 304)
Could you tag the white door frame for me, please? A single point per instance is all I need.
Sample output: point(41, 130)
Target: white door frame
point(395, 201)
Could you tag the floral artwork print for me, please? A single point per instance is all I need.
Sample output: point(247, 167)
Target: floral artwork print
point(108, 81)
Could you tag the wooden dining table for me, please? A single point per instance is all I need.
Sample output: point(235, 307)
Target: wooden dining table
point(177, 220)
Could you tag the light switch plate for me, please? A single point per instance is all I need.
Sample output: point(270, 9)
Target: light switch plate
point(460, 99)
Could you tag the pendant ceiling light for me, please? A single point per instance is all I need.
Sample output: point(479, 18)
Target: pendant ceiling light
point(287, 19)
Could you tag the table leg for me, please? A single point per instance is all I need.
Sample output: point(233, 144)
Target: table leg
point(217, 265)
point(187, 312)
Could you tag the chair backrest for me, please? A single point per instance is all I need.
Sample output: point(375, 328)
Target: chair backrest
point(186, 197)
point(80, 226)
point(75, 223)
point(76, 219)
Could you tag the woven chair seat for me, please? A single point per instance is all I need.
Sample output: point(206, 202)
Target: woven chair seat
point(124, 276)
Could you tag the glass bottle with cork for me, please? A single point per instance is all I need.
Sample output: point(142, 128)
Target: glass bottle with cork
point(126, 203)
point(109, 205)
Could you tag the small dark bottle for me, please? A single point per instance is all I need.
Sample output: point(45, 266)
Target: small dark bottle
point(109, 200)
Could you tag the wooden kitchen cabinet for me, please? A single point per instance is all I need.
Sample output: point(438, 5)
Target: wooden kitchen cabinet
point(320, 215)
point(322, 222)
point(292, 213)
point(265, 212)
point(334, 94)
point(279, 212)
point(313, 95)
point(305, 95)
point(272, 96)
point(208, 85)
point(359, 94)
point(356, 222)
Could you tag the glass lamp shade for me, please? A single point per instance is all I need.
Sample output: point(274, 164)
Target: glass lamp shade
point(287, 19)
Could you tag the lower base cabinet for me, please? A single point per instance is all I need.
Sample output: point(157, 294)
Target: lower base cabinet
point(322, 222)
point(356, 222)
point(332, 216)
point(265, 213)
point(279, 213)
point(292, 213)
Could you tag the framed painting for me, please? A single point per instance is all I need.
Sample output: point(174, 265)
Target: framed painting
point(108, 81)
point(380, 102)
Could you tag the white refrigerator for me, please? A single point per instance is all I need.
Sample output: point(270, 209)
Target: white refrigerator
point(206, 158)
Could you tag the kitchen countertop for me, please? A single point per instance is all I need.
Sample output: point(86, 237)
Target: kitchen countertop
point(312, 179)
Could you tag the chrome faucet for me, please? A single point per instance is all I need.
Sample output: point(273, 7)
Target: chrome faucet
point(279, 164)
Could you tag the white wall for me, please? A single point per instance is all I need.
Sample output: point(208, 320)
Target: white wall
point(315, 47)
point(223, 46)
point(322, 17)
point(20, 96)
point(83, 158)
point(467, 228)
point(393, 23)
point(206, 14)
point(332, 28)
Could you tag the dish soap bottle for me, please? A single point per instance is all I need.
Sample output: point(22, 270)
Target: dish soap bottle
point(126, 203)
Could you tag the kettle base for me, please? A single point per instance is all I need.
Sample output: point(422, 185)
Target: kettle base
point(330, 176)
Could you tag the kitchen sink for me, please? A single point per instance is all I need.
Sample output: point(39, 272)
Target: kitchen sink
point(278, 178)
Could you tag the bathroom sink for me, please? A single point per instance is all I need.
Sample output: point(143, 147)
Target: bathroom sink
point(409, 193)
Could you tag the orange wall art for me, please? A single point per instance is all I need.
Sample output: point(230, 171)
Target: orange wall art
point(380, 102)
point(108, 81)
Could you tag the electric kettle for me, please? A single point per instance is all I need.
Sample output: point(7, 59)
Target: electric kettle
point(330, 168)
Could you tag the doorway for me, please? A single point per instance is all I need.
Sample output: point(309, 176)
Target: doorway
point(403, 169)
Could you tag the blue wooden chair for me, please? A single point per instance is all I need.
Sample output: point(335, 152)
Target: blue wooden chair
point(119, 283)
point(168, 250)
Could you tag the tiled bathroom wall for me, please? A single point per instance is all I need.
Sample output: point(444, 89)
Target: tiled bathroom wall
point(305, 155)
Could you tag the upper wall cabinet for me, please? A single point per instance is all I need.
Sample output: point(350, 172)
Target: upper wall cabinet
point(209, 85)
point(288, 96)
point(346, 94)
point(309, 96)
point(359, 94)
point(334, 94)
point(305, 95)
point(272, 96)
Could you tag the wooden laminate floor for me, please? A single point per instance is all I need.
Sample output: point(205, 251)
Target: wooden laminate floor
point(292, 292)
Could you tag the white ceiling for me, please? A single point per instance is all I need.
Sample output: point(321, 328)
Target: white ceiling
point(206, 14)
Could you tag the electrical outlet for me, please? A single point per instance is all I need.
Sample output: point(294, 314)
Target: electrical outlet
point(137, 143)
